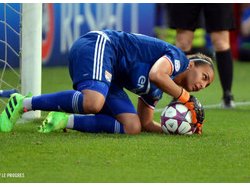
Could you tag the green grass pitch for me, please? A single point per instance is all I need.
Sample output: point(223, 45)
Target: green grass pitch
point(221, 154)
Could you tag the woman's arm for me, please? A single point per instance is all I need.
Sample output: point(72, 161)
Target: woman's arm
point(146, 115)
point(160, 76)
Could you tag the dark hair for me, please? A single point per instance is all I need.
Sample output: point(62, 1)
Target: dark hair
point(201, 59)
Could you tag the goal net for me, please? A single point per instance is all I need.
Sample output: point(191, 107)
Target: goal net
point(9, 50)
point(20, 50)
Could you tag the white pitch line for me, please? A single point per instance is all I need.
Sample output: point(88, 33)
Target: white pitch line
point(214, 106)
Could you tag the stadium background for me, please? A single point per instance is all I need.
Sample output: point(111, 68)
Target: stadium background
point(64, 23)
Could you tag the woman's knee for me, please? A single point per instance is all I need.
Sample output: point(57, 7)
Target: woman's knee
point(132, 128)
point(93, 102)
point(92, 108)
point(131, 123)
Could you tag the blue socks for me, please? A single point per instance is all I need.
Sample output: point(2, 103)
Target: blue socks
point(68, 101)
point(72, 102)
point(96, 124)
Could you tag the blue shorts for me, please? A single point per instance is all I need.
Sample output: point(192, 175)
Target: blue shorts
point(91, 58)
point(117, 100)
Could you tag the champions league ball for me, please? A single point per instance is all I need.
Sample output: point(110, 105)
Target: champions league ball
point(177, 119)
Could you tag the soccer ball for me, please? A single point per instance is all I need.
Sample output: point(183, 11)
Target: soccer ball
point(177, 119)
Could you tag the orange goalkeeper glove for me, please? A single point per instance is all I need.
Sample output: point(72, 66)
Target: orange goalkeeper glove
point(198, 128)
point(195, 108)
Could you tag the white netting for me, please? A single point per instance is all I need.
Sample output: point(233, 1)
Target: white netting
point(10, 42)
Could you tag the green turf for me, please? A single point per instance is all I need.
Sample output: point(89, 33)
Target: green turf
point(221, 154)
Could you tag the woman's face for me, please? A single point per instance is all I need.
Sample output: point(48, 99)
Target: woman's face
point(198, 77)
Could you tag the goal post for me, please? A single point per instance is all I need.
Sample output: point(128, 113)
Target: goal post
point(31, 52)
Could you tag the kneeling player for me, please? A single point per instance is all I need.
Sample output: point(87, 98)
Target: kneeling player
point(101, 65)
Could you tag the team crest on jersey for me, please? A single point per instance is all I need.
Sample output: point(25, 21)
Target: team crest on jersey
point(108, 76)
point(177, 65)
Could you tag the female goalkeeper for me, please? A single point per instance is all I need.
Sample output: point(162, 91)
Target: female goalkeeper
point(101, 65)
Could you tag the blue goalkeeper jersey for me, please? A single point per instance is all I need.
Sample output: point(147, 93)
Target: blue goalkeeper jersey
point(136, 54)
point(122, 60)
